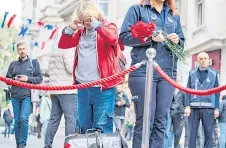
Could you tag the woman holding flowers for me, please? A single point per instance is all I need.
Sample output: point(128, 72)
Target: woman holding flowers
point(163, 14)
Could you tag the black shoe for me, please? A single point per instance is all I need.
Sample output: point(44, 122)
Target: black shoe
point(22, 146)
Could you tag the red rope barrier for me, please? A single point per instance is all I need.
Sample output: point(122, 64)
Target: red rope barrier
point(90, 84)
point(189, 90)
point(79, 86)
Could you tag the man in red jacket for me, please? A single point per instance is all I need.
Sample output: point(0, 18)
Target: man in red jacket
point(96, 44)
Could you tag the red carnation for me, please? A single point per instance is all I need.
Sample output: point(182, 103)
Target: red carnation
point(67, 145)
point(142, 30)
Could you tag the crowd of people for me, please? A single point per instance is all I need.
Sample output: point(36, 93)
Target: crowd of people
point(90, 49)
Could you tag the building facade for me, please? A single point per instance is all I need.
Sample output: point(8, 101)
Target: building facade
point(205, 31)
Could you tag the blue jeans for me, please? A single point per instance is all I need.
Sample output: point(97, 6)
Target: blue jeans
point(96, 109)
point(119, 123)
point(21, 110)
point(7, 129)
point(129, 132)
point(223, 134)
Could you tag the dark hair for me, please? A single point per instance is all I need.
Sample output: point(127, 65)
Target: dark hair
point(224, 97)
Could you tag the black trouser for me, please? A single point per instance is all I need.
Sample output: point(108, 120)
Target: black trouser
point(162, 94)
point(207, 118)
point(201, 137)
point(187, 132)
point(7, 129)
point(39, 129)
point(178, 123)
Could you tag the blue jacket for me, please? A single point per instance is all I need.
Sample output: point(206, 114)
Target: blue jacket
point(164, 21)
point(210, 80)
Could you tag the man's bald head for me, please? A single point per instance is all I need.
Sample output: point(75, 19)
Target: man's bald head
point(203, 60)
point(203, 54)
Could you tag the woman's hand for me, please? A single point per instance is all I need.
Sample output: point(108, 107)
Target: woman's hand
point(174, 38)
point(95, 23)
point(158, 38)
point(76, 25)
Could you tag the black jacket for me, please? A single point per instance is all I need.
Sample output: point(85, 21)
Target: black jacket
point(28, 68)
point(7, 116)
point(178, 106)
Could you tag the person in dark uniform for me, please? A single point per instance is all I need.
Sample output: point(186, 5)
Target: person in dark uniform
point(175, 120)
point(204, 108)
point(163, 14)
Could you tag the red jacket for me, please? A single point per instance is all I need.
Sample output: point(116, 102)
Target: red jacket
point(107, 43)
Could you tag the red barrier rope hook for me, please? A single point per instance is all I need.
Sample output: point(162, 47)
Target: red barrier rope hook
point(189, 90)
point(79, 86)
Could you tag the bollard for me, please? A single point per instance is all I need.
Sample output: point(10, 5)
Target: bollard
point(150, 53)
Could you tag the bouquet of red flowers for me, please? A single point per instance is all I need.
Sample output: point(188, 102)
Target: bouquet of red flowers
point(145, 30)
point(142, 30)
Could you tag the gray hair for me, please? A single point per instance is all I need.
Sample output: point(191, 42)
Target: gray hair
point(21, 43)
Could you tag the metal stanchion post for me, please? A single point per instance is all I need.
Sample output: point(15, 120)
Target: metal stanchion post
point(151, 53)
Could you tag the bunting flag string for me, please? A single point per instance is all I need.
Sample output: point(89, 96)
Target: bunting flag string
point(25, 26)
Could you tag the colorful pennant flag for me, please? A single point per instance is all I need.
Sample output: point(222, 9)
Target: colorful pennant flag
point(43, 45)
point(4, 19)
point(11, 20)
point(53, 32)
point(49, 27)
point(36, 44)
point(24, 28)
point(40, 24)
point(14, 46)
